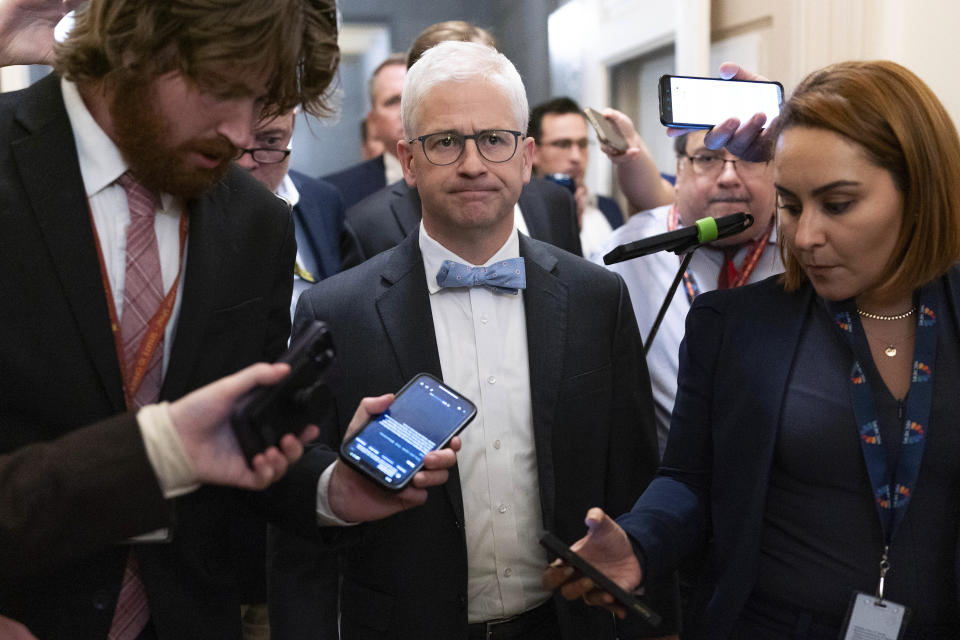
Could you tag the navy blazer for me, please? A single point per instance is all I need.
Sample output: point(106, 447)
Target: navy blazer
point(735, 362)
point(59, 369)
point(319, 213)
point(359, 181)
point(384, 219)
point(406, 577)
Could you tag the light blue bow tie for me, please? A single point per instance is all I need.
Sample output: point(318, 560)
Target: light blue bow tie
point(505, 276)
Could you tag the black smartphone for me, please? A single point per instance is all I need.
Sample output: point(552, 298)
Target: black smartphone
point(266, 413)
point(424, 416)
point(559, 548)
point(700, 103)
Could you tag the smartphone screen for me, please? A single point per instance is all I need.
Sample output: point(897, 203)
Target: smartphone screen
point(703, 102)
point(424, 416)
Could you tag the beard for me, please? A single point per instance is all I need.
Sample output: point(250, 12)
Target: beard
point(142, 134)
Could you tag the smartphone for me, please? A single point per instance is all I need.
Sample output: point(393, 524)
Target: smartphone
point(700, 103)
point(266, 413)
point(607, 132)
point(424, 416)
point(559, 548)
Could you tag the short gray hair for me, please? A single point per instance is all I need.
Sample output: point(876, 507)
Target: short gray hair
point(462, 62)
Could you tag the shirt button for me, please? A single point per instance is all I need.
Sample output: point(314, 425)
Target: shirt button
point(502, 508)
point(484, 319)
point(508, 572)
point(496, 444)
point(492, 380)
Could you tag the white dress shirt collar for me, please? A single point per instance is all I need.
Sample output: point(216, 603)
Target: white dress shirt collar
point(288, 191)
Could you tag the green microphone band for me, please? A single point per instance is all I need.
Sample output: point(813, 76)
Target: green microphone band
point(706, 230)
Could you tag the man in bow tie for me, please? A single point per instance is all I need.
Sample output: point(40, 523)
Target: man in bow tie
point(542, 341)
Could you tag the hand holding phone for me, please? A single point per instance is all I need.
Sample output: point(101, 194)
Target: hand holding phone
point(559, 548)
point(425, 415)
point(265, 414)
point(607, 132)
point(700, 103)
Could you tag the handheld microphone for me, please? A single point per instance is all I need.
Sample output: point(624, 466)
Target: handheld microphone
point(683, 240)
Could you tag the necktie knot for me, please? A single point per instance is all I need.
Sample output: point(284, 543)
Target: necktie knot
point(141, 200)
point(505, 276)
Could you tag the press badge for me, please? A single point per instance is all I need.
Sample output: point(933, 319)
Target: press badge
point(871, 618)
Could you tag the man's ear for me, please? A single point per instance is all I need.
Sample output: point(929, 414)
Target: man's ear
point(405, 154)
point(527, 151)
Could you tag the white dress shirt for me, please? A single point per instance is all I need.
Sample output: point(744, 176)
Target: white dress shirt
point(482, 343)
point(648, 280)
point(100, 166)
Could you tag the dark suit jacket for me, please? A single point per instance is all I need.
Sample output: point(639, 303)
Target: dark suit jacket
point(387, 217)
point(714, 476)
point(59, 370)
point(610, 210)
point(359, 181)
point(592, 417)
point(47, 487)
point(319, 213)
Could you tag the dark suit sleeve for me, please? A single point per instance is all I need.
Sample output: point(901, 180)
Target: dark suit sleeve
point(73, 496)
point(671, 519)
point(633, 422)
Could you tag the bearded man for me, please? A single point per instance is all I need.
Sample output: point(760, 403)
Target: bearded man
point(138, 264)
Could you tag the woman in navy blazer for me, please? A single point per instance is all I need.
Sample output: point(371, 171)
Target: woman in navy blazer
point(814, 451)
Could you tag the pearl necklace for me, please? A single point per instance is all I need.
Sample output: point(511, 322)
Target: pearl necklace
point(877, 316)
point(891, 349)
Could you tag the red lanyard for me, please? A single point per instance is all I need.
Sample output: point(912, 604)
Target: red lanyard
point(155, 328)
point(738, 277)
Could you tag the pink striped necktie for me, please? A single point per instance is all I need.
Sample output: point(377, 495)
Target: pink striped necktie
point(142, 295)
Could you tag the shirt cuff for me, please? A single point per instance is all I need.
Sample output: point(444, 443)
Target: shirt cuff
point(170, 462)
point(325, 516)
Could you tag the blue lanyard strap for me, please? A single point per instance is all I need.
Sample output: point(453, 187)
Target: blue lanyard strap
point(892, 489)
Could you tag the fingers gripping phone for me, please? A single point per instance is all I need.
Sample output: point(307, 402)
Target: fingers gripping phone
point(700, 103)
point(424, 416)
point(266, 413)
point(607, 132)
point(559, 548)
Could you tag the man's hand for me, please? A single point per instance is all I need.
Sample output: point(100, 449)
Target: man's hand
point(607, 547)
point(202, 422)
point(13, 630)
point(637, 173)
point(355, 498)
point(26, 29)
point(749, 140)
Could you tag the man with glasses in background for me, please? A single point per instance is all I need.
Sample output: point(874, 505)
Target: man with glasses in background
point(316, 204)
point(562, 150)
point(542, 341)
point(709, 183)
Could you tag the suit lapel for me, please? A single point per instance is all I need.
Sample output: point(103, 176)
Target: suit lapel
point(403, 305)
point(545, 303)
point(199, 292)
point(47, 160)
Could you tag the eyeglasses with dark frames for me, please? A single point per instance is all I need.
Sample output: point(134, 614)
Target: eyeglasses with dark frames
point(705, 164)
point(265, 155)
point(446, 147)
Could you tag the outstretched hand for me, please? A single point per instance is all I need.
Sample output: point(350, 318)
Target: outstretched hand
point(750, 140)
point(355, 498)
point(607, 547)
point(26, 29)
point(202, 421)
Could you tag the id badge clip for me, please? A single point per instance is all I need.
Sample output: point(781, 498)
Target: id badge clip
point(871, 617)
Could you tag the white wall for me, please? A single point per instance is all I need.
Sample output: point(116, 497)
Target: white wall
point(783, 39)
